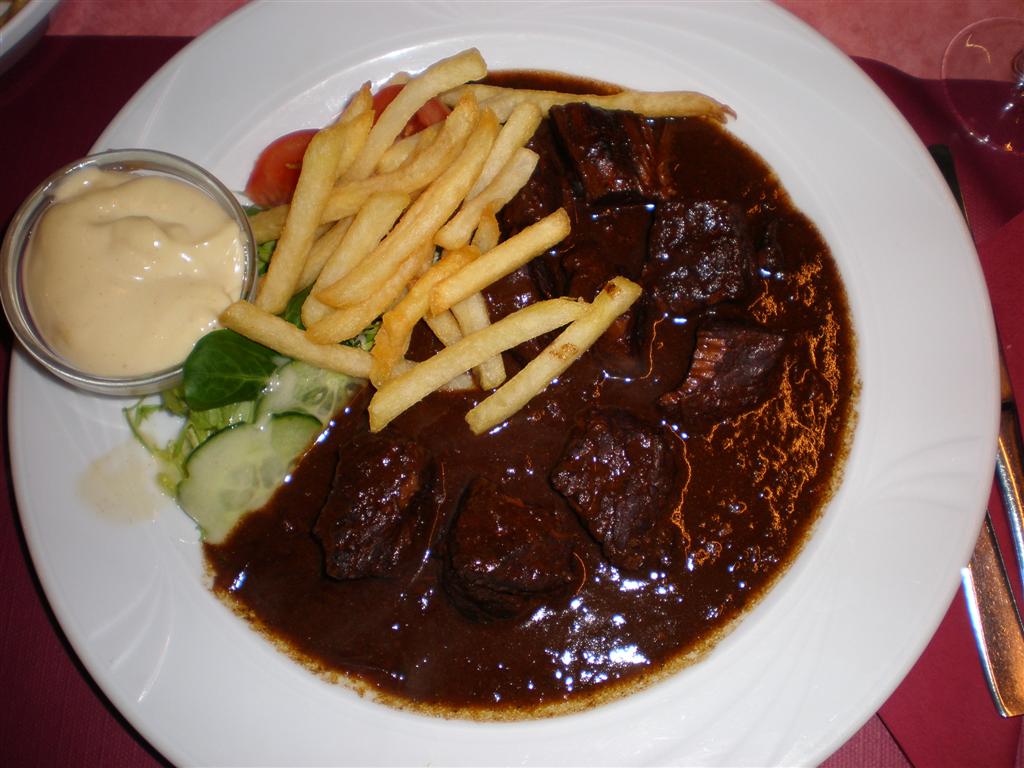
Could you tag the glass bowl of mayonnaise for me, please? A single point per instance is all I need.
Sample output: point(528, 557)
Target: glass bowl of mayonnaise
point(117, 264)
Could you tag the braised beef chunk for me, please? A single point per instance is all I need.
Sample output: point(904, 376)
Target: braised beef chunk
point(614, 242)
point(700, 254)
point(512, 292)
point(784, 248)
point(550, 187)
point(504, 557)
point(623, 480)
point(620, 347)
point(611, 152)
point(367, 523)
point(548, 275)
point(733, 370)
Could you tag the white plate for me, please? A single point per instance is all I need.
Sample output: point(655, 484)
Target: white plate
point(23, 30)
point(817, 657)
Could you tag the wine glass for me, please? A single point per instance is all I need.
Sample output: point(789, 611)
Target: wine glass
point(983, 74)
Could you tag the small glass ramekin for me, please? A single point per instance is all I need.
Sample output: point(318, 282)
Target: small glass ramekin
point(15, 249)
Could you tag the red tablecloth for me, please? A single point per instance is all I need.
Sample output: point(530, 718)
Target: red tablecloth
point(55, 103)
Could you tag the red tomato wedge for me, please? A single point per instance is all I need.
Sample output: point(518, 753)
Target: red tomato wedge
point(276, 172)
point(434, 111)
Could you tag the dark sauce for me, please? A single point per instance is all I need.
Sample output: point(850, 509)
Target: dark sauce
point(755, 482)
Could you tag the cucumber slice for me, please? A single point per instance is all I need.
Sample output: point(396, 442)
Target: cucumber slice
point(301, 388)
point(239, 468)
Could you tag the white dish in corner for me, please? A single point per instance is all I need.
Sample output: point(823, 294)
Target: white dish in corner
point(23, 31)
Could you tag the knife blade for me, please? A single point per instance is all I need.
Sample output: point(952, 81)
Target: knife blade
point(996, 624)
point(995, 620)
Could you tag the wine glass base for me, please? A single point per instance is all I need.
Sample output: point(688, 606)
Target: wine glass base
point(983, 74)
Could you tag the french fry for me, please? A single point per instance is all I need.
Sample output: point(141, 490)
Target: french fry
point(392, 339)
point(281, 336)
point(267, 225)
point(358, 117)
point(361, 101)
point(445, 327)
point(345, 323)
point(407, 148)
point(375, 218)
point(404, 391)
point(483, 92)
point(472, 316)
point(435, 79)
point(321, 251)
point(353, 133)
point(346, 198)
point(460, 383)
point(517, 171)
point(503, 259)
point(319, 170)
point(650, 103)
point(488, 231)
point(615, 298)
point(518, 129)
point(420, 222)
point(472, 313)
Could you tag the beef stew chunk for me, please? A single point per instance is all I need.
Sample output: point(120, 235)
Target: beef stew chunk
point(620, 348)
point(614, 242)
point(367, 523)
point(621, 477)
point(535, 201)
point(700, 255)
point(504, 557)
point(782, 249)
point(733, 370)
point(512, 293)
point(610, 152)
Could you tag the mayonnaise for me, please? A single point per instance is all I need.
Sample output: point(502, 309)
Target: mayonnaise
point(125, 272)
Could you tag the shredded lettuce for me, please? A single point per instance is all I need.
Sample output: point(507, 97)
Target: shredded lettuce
point(263, 254)
point(195, 428)
point(365, 339)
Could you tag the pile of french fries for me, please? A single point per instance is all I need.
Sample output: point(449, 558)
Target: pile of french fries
point(405, 229)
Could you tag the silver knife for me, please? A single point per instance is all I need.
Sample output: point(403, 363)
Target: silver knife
point(996, 624)
point(1008, 463)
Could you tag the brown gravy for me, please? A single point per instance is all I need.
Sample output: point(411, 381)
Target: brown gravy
point(755, 482)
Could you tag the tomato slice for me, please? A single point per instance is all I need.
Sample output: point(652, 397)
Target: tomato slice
point(434, 111)
point(276, 172)
point(383, 97)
